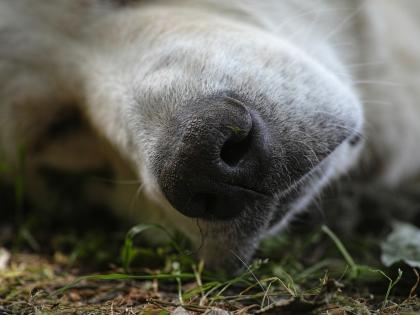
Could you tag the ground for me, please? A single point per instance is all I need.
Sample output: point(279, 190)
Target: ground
point(83, 262)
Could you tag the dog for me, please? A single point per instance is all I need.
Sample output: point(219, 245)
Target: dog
point(231, 116)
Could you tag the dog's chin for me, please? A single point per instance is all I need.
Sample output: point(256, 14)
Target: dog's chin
point(230, 244)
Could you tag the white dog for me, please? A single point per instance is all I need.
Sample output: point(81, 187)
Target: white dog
point(232, 114)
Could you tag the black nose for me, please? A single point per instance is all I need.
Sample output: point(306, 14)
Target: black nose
point(220, 154)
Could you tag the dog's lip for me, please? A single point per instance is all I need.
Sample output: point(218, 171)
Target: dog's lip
point(245, 189)
point(303, 180)
point(286, 197)
point(354, 137)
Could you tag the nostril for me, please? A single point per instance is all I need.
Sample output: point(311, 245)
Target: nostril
point(235, 149)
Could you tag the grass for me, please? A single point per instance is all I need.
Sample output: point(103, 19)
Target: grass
point(336, 284)
point(61, 266)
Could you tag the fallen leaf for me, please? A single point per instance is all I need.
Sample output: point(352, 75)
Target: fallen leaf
point(403, 244)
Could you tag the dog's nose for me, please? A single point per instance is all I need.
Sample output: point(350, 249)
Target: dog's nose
point(220, 156)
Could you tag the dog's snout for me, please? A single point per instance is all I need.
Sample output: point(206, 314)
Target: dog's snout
point(218, 160)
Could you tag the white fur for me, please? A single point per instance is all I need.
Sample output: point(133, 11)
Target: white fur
point(106, 61)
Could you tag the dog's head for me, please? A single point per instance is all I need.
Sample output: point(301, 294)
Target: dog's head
point(227, 123)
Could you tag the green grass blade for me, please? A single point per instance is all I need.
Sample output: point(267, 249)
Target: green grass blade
point(128, 251)
point(354, 270)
